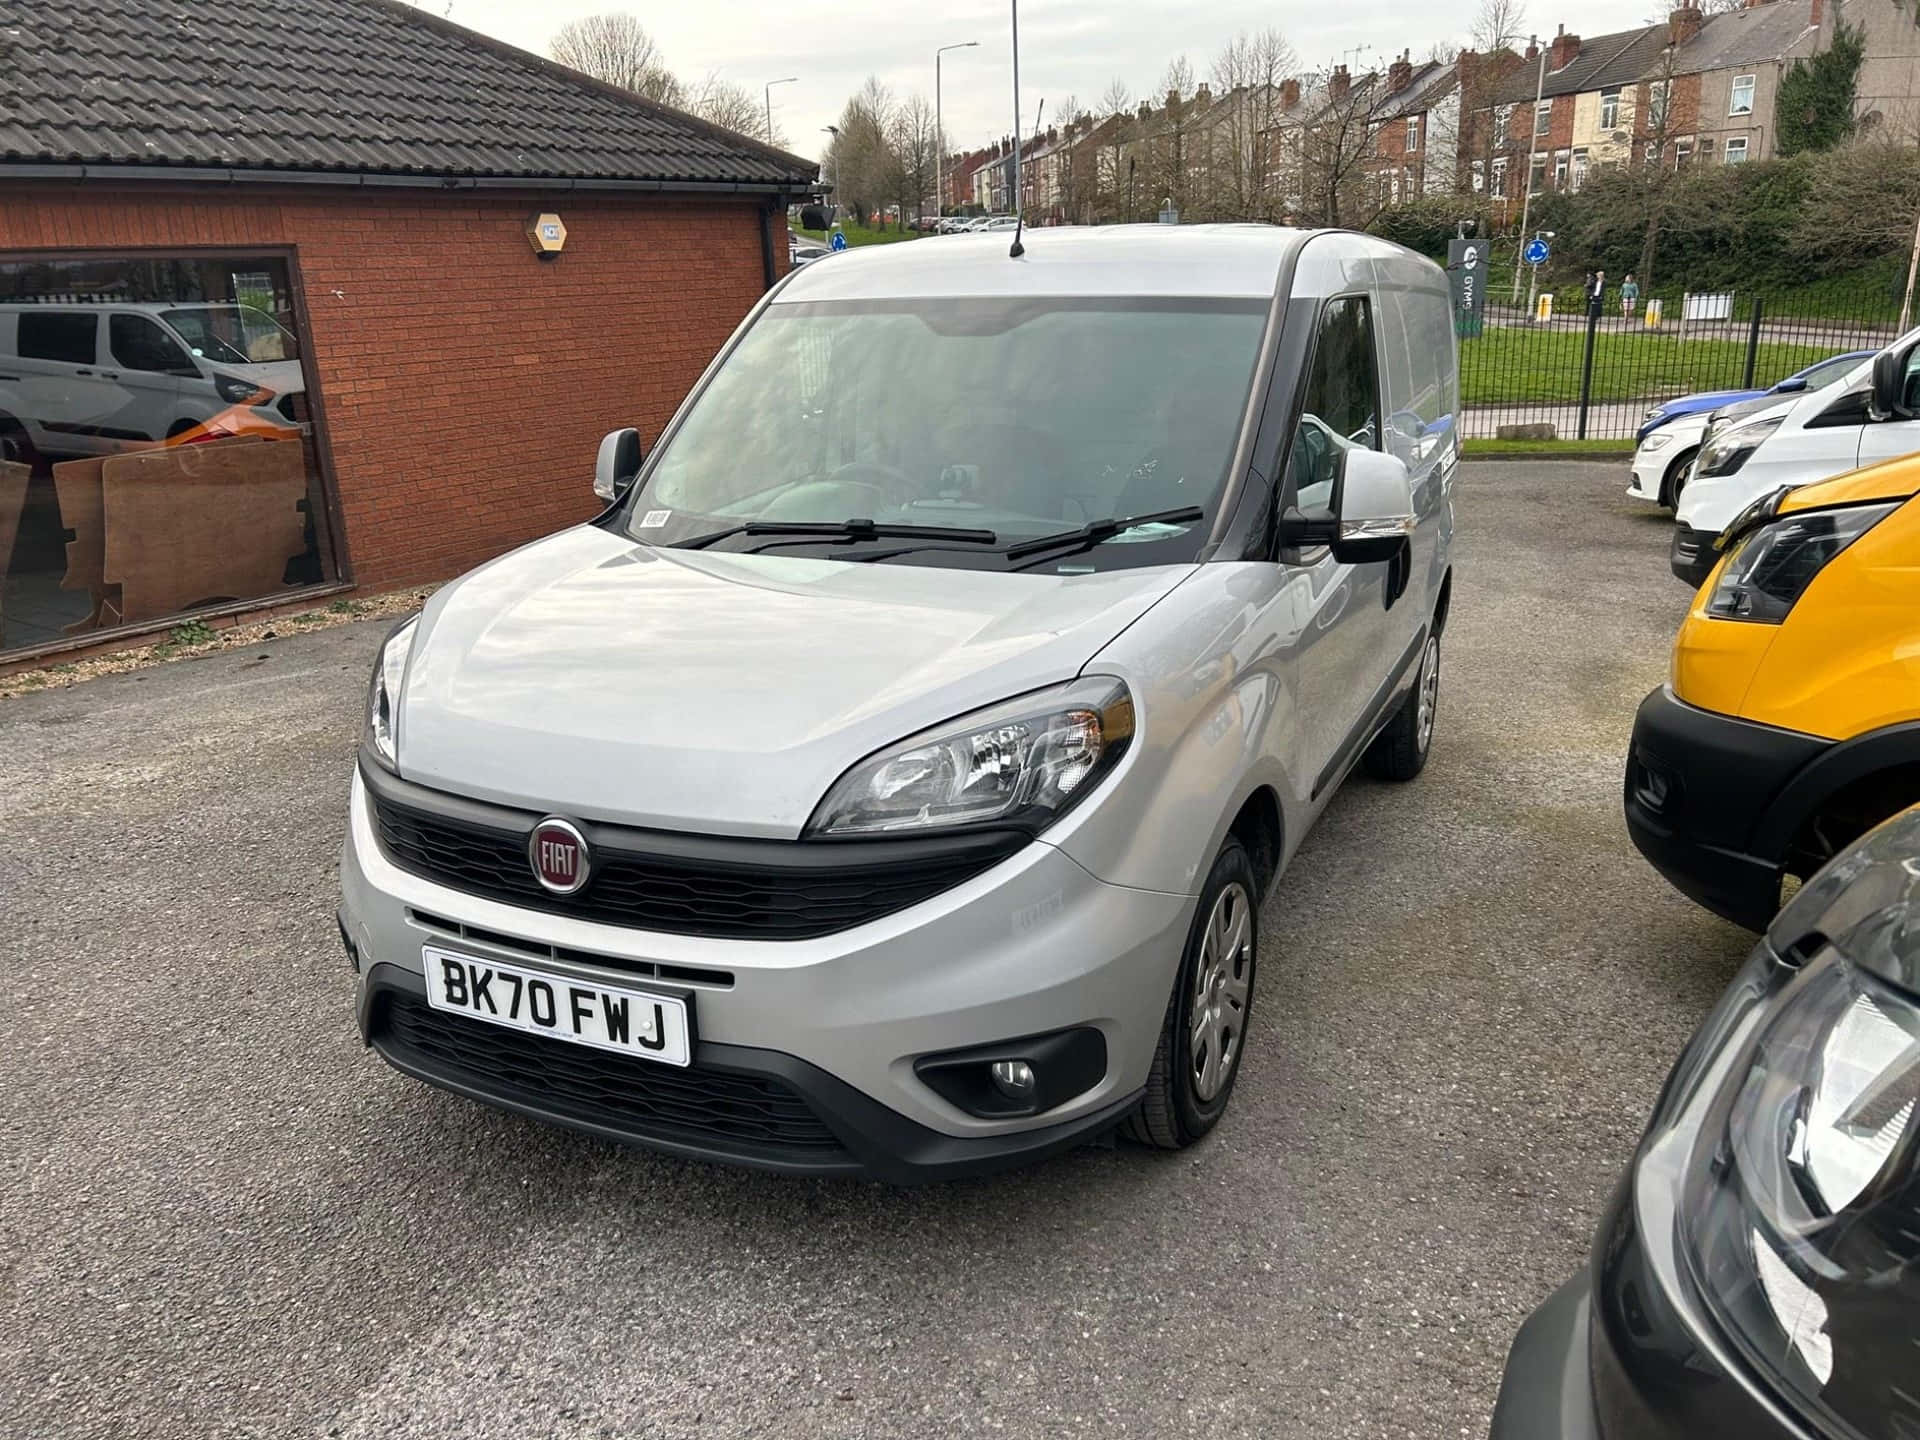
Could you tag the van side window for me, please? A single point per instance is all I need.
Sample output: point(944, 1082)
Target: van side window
point(1340, 408)
point(139, 344)
point(69, 336)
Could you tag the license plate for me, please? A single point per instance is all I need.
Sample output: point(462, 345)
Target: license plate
point(580, 1012)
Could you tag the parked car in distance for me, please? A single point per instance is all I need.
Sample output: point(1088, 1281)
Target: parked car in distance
point(888, 780)
point(805, 252)
point(1816, 376)
point(97, 379)
point(1756, 1275)
point(1791, 722)
point(1872, 414)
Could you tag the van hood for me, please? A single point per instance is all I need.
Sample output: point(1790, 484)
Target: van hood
point(723, 693)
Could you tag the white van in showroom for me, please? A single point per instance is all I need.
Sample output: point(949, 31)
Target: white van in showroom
point(95, 379)
point(888, 781)
point(1872, 415)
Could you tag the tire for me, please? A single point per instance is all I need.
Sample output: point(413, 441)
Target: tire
point(1399, 752)
point(1675, 480)
point(1187, 1096)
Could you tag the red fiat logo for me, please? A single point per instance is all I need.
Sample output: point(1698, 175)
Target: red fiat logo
point(559, 856)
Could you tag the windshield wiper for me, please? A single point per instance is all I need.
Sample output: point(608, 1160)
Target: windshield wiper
point(1095, 531)
point(856, 529)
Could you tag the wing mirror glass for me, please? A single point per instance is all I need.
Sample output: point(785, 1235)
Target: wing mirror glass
point(1792, 385)
point(1890, 384)
point(618, 465)
point(1370, 519)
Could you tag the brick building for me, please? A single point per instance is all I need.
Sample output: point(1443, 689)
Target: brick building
point(431, 269)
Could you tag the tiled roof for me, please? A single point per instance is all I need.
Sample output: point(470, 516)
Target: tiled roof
point(1740, 37)
point(1603, 62)
point(369, 86)
point(1430, 83)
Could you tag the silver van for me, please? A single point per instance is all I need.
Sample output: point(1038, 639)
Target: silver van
point(99, 378)
point(889, 779)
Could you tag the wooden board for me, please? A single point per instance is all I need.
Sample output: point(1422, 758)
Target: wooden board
point(77, 484)
point(189, 524)
point(13, 498)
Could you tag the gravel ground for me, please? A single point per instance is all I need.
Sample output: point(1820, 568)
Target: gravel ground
point(221, 1217)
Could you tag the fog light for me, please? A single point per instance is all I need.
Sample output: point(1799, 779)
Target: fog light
point(1014, 1079)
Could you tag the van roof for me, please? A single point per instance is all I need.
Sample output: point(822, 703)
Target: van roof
point(150, 307)
point(1168, 260)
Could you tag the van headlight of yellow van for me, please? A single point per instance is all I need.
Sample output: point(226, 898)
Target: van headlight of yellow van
point(1773, 563)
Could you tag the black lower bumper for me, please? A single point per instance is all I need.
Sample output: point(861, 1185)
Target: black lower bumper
point(1692, 555)
point(735, 1104)
point(1699, 789)
point(1547, 1391)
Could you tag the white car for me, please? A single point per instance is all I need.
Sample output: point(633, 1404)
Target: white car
point(1661, 463)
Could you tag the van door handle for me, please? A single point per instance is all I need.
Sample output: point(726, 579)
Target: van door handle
point(107, 374)
point(83, 372)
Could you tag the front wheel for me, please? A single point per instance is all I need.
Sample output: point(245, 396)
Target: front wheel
point(1675, 480)
point(1399, 752)
point(1205, 1031)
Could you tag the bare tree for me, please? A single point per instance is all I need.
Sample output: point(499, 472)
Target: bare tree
point(862, 157)
point(1241, 136)
point(912, 139)
point(1116, 118)
point(1166, 145)
point(1334, 147)
point(730, 106)
point(1498, 25)
point(616, 48)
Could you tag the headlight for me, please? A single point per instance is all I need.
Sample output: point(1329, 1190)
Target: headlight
point(1654, 414)
point(1772, 565)
point(1726, 450)
point(240, 392)
point(1021, 764)
point(383, 694)
point(1796, 1218)
point(1658, 440)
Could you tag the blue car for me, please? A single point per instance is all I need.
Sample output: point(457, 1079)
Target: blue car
point(1814, 377)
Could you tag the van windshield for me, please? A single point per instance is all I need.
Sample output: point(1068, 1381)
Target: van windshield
point(1023, 417)
point(232, 334)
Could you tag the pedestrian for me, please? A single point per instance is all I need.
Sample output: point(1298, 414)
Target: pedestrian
point(1629, 295)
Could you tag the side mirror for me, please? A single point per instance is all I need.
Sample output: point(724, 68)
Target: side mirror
point(1890, 385)
point(1792, 385)
point(1373, 503)
point(1371, 516)
point(618, 465)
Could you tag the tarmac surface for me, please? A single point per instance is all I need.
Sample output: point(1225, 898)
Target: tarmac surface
point(222, 1217)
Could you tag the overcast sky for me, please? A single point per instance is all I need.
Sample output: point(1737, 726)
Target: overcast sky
point(1068, 48)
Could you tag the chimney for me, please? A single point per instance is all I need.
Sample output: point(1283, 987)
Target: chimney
point(1683, 24)
point(1533, 49)
point(1290, 89)
point(1400, 73)
point(1338, 84)
point(1203, 97)
point(1053, 134)
point(1819, 13)
point(1467, 67)
point(1146, 111)
point(1565, 47)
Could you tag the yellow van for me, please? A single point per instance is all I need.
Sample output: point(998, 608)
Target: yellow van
point(1791, 721)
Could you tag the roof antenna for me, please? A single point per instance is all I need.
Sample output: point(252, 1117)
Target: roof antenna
point(1018, 217)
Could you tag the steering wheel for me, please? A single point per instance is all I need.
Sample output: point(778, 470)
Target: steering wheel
point(885, 482)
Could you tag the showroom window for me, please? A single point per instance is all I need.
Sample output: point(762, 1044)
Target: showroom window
point(157, 455)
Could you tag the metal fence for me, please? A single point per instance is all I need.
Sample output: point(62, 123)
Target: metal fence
point(1592, 372)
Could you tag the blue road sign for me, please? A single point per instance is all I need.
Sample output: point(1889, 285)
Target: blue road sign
point(839, 241)
point(1536, 252)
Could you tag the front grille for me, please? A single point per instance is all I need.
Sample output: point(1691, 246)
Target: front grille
point(697, 1104)
point(788, 895)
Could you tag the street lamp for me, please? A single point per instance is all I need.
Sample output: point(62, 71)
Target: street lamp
point(785, 80)
point(939, 130)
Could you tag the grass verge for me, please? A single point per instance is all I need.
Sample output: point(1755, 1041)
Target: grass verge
point(1547, 449)
point(861, 235)
point(1510, 365)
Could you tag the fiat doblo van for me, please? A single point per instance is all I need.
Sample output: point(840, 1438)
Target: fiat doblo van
point(888, 781)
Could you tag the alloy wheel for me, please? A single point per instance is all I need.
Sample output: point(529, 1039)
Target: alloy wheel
point(1222, 981)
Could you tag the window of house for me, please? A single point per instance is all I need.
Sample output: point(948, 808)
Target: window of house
point(1579, 168)
point(1736, 151)
point(1543, 117)
point(1413, 134)
point(1682, 153)
point(176, 471)
point(1610, 108)
point(1653, 152)
point(1503, 119)
point(1500, 175)
point(1561, 164)
point(1656, 104)
point(66, 337)
point(1537, 175)
point(1741, 100)
point(1340, 408)
point(1477, 173)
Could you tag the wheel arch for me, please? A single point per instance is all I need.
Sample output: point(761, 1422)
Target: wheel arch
point(1886, 761)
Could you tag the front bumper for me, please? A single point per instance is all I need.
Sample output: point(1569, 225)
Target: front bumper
point(1031, 946)
point(1691, 555)
point(1647, 474)
point(1699, 787)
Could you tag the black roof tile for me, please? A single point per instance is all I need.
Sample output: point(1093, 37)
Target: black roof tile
point(370, 86)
